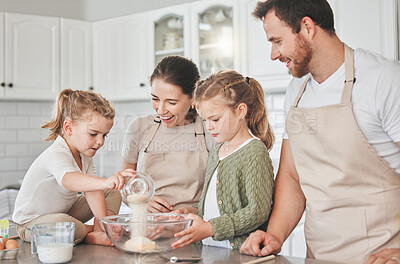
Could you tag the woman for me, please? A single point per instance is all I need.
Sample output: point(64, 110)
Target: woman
point(171, 146)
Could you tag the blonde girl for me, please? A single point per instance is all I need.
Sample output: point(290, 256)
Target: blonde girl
point(238, 189)
point(49, 192)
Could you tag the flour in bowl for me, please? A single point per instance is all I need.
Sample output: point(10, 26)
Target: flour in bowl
point(138, 241)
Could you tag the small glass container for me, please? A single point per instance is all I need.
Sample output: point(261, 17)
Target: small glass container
point(140, 188)
point(4, 227)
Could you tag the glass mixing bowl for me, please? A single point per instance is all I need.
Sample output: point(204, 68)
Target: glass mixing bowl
point(159, 230)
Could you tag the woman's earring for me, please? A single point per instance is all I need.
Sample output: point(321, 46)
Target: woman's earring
point(192, 107)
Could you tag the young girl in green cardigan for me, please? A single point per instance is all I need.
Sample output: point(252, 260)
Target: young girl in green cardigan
point(237, 194)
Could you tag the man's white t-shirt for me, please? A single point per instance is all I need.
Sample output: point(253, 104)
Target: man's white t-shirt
point(42, 191)
point(375, 99)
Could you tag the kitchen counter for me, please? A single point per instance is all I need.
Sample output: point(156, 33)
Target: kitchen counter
point(94, 254)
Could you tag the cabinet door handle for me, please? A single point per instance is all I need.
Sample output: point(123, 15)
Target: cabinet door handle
point(91, 88)
point(3, 84)
point(10, 85)
point(142, 84)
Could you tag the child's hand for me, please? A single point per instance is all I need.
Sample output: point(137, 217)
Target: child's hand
point(117, 180)
point(199, 230)
point(186, 210)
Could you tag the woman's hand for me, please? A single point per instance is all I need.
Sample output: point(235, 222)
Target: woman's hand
point(159, 205)
point(387, 255)
point(117, 180)
point(186, 210)
point(199, 230)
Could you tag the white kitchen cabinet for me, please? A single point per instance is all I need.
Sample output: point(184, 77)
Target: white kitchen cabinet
point(104, 62)
point(272, 75)
point(76, 54)
point(373, 29)
point(206, 31)
point(168, 33)
point(215, 29)
point(119, 58)
point(2, 79)
point(31, 57)
point(132, 57)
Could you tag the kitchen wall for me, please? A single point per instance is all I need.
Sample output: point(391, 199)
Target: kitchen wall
point(20, 137)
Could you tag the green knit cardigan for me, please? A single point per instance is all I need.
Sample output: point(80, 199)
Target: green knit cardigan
point(245, 184)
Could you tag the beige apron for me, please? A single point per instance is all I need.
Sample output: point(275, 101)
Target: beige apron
point(178, 176)
point(353, 195)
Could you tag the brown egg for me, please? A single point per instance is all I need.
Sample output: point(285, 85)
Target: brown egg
point(11, 244)
point(1, 246)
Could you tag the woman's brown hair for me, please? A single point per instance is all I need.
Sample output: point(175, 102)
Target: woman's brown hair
point(180, 71)
point(236, 89)
point(73, 105)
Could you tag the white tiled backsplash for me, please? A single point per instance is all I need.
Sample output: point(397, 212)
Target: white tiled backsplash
point(21, 138)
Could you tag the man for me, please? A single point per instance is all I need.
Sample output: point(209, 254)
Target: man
point(340, 156)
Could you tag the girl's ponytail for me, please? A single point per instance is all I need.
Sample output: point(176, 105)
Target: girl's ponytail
point(74, 105)
point(257, 120)
point(56, 123)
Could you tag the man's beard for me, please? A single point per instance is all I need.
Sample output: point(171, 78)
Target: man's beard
point(302, 58)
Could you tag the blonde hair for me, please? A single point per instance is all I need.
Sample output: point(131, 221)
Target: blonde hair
point(236, 89)
point(73, 105)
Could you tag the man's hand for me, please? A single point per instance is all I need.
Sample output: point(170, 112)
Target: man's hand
point(252, 245)
point(387, 255)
